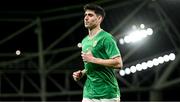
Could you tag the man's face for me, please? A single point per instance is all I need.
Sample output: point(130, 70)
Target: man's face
point(91, 20)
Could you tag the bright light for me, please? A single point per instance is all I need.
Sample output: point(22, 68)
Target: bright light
point(148, 64)
point(136, 34)
point(122, 72)
point(134, 27)
point(18, 52)
point(138, 67)
point(133, 69)
point(149, 31)
point(144, 65)
point(155, 62)
point(160, 60)
point(142, 26)
point(166, 58)
point(127, 39)
point(127, 71)
point(121, 41)
point(79, 45)
point(172, 56)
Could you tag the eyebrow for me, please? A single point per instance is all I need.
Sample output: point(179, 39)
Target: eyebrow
point(88, 13)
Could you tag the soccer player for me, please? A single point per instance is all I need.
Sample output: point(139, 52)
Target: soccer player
point(101, 56)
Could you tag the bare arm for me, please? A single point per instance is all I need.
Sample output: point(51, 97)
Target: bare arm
point(113, 62)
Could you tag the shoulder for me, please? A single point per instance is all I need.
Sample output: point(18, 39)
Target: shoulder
point(107, 36)
point(85, 38)
point(104, 34)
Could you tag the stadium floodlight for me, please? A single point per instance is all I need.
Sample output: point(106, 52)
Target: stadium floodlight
point(138, 67)
point(133, 69)
point(160, 60)
point(122, 72)
point(121, 41)
point(150, 64)
point(127, 71)
point(136, 35)
point(155, 62)
point(149, 31)
point(144, 66)
point(147, 64)
point(172, 56)
point(134, 27)
point(166, 58)
point(142, 26)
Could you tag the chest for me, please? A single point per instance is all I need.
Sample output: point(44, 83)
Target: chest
point(92, 45)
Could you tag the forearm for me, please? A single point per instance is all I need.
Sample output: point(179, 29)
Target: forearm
point(112, 62)
point(83, 72)
point(115, 62)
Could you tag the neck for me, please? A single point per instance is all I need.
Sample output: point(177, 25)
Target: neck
point(93, 32)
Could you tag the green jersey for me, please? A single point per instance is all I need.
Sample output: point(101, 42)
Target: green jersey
point(101, 81)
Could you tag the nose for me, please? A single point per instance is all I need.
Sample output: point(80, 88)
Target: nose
point(86, 18)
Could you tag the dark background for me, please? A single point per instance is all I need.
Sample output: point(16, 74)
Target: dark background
point(54, 55)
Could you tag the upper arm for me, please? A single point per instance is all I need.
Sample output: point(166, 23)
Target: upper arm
point(111, 47)
point(118, 60)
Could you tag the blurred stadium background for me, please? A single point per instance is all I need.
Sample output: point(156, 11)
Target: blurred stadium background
point(39, 48)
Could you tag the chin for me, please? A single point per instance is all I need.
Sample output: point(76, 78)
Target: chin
point(86, 26)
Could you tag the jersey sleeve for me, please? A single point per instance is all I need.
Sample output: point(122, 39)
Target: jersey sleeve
point(111, 47)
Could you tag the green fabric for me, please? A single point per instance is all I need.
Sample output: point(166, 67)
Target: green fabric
point(101, 81)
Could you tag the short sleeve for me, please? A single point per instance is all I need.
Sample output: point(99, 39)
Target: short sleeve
point(111, 47)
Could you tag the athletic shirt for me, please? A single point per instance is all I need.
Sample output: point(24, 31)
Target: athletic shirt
point(101, 82)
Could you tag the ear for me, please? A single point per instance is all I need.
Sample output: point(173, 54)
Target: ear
point(100, 18)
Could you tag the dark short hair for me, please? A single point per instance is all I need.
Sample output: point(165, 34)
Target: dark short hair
point(96, 8)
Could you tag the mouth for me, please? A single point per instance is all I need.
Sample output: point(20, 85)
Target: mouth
point(86, 23)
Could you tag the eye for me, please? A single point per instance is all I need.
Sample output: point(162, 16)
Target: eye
point(90, 15)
